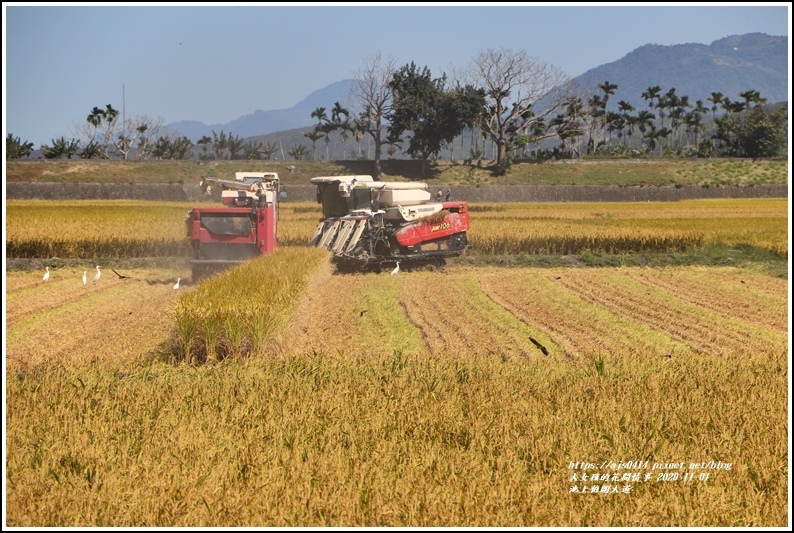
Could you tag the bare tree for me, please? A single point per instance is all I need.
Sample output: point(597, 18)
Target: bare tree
point(514, 83)
point(372, 98)
point(141, 130)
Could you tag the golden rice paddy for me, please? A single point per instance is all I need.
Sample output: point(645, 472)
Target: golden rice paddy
point(282, 394)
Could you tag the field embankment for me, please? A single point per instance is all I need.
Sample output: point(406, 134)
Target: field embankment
point(624, 173)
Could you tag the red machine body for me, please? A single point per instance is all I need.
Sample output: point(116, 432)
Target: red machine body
point(373, 225)
point(457, 221)
point(225, 236)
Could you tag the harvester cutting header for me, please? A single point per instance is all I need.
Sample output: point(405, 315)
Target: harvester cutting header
point(373, 225)
point(245, 227)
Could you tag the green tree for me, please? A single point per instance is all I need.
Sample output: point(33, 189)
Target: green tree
point(252, 150)
point(91, 151)
point(630, 120)
point(569, 124)
point(234, 145)
point(752, 131)
point(716, 102)
point(321, 129)
point(340, 119)
point(101, 128)
point(609, 90)
point(61, 148)
point(171, 147)
point(269, 150)
point(314, 136)
point(220, 142)
point(16, 149)
point(205, 143)
point(761, 133)
point(433, 115)
point(298, 152)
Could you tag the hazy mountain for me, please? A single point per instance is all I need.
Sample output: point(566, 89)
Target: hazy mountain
point(731, 65)
point(264, 122)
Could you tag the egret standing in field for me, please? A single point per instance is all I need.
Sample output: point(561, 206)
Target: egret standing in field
point(176, 285)
point(396, 269)
point(85, 278)
point(46, 274)
point(96, 278)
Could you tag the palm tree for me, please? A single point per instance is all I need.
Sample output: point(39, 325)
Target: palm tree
point(337, 112)
point(609, 90)
point(650, 94)
point(16, 149)
point(204, 142)
point(626, 108)
point(219, 144)
point(716, 101)
point(345, 129)
point(298, 152)
point(60, 148)
point(339, 124)
point(269, 150)
point(235, 144)
point(252, 150)
point(752, 97)
point(326, 130)
point(319, 114)
point(313, 136)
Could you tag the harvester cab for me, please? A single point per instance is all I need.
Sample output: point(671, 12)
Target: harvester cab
point(372, 225)
point(245, 227)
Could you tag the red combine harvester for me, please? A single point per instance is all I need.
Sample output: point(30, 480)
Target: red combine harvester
point(245, 227)
point(372, 225)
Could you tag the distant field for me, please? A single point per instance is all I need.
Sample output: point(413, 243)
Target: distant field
point(131, 229)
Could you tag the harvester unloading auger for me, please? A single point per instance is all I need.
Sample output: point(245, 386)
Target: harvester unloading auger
point(373, 225)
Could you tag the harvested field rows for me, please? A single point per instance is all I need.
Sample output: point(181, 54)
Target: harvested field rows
point(576, 326)
point(569, 313)
point(703, 330)
point(759, 300)
point(455, 317)
point(421, 399)
point(63, 321)
point(349, 314)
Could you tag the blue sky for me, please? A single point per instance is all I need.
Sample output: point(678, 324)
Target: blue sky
point(216, 62)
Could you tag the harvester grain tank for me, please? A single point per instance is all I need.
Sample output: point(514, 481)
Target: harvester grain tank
point(244, 227)
point(372, 225)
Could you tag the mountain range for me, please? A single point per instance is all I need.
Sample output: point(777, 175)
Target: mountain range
point(730, 65)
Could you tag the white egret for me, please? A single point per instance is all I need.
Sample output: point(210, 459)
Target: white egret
point(47, 274)
point(85, 279)
point(96, 278)
point(396, 269)
point(176, 285)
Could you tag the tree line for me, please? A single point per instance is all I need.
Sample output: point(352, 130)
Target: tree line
point(523, 107)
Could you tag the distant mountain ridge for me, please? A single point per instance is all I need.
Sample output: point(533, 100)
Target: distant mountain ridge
point(730, 65)
point(265, 122)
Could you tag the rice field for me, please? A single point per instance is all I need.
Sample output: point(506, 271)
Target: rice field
point(280, 393)
point(114, 228)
